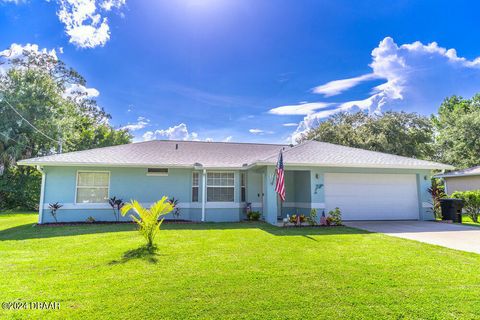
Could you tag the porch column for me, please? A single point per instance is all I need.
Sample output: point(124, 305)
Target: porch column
point(270, 201)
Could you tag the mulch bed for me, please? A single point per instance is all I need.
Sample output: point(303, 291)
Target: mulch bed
point(80, 223)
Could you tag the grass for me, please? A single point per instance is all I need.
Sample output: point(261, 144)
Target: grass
point(236, 271)
point(468, 221)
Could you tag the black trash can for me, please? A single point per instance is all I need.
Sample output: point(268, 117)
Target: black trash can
point(452, 209)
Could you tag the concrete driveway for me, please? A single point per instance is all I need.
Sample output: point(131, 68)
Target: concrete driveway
point(454, 236)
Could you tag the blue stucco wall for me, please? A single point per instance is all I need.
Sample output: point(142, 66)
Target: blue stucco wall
point(133, 183)
point(304, 191)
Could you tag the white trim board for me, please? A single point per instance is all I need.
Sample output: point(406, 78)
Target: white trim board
point(304, 205)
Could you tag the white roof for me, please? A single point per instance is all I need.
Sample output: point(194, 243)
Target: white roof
point(473, 171)
point(161, 153)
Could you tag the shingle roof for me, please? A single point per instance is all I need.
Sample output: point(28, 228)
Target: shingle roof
point(473, 171)
point(328, 154)
point(165, 153)
point(230, 155)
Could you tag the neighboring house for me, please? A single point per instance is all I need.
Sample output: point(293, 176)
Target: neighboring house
point(215, 180)
point(461, 180)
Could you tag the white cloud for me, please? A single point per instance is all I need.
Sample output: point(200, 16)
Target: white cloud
point(178, 132)
point(259, 131)
point(84, 20)
point(108, 5)
point(290, 124)
point(16, 51)
point(299, 109)
point(141, 123)
point(77, 88)
point(335, 87)
point(417, 78)
point(228, 139)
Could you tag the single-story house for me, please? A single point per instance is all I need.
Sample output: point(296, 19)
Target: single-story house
point(215, 180)
point(461, 180)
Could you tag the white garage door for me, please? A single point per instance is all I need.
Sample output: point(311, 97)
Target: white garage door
point(372, 196)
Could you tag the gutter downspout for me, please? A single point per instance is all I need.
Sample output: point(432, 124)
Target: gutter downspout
point(42, 196)
point(204, 191)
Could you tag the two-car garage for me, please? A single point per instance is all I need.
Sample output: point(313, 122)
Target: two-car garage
point(372, 196)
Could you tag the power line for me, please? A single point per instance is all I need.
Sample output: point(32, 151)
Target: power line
point(20, 115)
point(3, 134)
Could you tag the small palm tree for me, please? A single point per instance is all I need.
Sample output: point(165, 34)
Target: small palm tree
point(148, 220)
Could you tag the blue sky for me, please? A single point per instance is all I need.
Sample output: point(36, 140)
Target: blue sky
point(245, 70)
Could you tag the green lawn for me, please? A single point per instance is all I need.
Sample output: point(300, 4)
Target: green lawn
point(235, 271)
point(467, 220)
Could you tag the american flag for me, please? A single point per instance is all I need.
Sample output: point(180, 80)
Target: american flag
point(280, 186)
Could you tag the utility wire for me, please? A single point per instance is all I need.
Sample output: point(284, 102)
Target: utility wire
point(6, 136)
point(20, 115)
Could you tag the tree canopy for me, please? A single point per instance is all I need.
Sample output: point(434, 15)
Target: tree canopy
point(400, 133)
point(44, 102)
point(457, 128)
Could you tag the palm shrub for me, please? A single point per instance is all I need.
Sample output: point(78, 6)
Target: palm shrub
point(471, 202)
point(54, 208)
point(148, 220)
point(116, 204)
point(437, 192)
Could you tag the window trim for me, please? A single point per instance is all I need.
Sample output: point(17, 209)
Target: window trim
point(91, 171)
point(195, 186)
point(244, 186)
point(158, 174)
point(207, 186)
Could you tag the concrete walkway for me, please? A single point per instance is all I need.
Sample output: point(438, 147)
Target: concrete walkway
point(454, 236)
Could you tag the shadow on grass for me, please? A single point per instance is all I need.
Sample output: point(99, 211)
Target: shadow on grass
point(148, 254)
point(32, 231)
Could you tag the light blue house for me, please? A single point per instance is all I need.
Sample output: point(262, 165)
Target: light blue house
point(214, 181)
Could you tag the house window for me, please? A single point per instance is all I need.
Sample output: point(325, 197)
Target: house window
point(157, 172)
point(92, 187)
point(195, 181)
point(243, 186)
point(220, 186)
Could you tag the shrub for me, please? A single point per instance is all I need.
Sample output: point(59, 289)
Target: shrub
point(148, 219)
point(312, 219)
point(116, 204)
point(176, 209)
point(254, 215)
point(437, 192)
point(54, 208)
point(335, 217)
point(295, 219)
point(90, 219)
point(471, 202)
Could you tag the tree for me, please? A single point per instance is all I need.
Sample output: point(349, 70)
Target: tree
point(401, 133)
point(458, 131)
point(38, 90)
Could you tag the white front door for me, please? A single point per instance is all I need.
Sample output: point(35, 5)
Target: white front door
point(372, 196)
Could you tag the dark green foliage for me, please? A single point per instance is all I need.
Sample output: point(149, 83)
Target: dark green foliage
point(20, 188)
point(254, 215)
point(401, 133)
point(471, 202)
point(335, 217)
point(458, 131)
point(35, 87)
